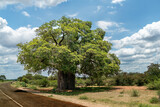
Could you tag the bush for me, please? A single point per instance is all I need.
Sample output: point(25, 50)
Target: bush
point(80, 82)
point(154, 100)
point(23, 84)
point(130, 79)
point(24, 79)
point(135, 93)
point(144, 105)
point(83, 97)
point(33, 87)
point(37, 76)
point(53, 83)
point(43, 83)
point(154, 85)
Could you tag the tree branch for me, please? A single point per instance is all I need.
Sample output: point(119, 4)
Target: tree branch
point(61, 40)
point(54, 39)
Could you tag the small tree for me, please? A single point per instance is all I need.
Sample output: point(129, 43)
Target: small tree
point(2, 77)
point(153, 72)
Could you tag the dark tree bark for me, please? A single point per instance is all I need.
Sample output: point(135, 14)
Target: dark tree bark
point(66, 81)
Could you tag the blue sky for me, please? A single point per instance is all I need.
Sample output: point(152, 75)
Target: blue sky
point(132, 26)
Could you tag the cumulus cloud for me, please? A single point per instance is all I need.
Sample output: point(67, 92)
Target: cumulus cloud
point(9, 37)
point(26, 14)
point(3, 23)
point(36, 3)
point(141, 48)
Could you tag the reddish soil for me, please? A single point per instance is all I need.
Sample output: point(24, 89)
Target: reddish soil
point(27, 99)
point(118, 88)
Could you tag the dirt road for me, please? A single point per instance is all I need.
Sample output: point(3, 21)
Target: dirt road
point(12, 97)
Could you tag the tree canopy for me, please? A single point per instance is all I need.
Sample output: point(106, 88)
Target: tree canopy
point(69, 46)
point(2, 77)
point(153, 72)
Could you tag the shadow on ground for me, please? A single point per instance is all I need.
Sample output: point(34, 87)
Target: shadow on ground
point(78, 91)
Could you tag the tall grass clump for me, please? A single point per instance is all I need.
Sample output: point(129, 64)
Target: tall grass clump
point(135, 93)
point(83, 97)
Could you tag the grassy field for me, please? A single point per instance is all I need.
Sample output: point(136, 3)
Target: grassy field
point(120, 96)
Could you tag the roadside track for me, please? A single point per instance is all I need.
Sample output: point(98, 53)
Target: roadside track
point(12, 97)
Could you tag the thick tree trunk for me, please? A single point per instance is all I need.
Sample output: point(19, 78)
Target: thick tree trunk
point(66, 81)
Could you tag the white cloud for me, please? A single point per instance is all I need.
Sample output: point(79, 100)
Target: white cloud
point(10, 37)
point(139, 49)
point(36, 3)
point(106, 25)
point(8, 51)
point(112, 27)
point(98, 9)
point(26, 13)
point(73, 15)
point(117, 1)
point(3, 23)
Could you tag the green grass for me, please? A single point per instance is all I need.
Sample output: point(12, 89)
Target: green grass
point(83, 97)
point(154, 100)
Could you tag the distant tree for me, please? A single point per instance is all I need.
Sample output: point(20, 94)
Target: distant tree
point(2, 77)
point(69, 46)
point(153, 72)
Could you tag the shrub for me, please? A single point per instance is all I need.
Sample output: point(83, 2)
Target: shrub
point(154, 100)
point(144, 105)
point(80, 82)
point(43, 83)
point(83, 97)
point(130, 79)
point(53, 83)
point(23, 84)
point(135, 93)
point(33, 87)
point(24, 79)
point(154, 85)
point(122, 92)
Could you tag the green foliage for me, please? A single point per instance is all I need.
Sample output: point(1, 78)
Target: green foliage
point(130, 79)
point(43, 83)
point(80, 82)
point(83, 97)
point(24, 79)
point(153, 72)
point(155, 85)
point(53, 83)
point(135, 93)
point(2, 77)
point(154, 100)
point(33, 87)
point(23, 84)
point(144, 105)
point(69, 45)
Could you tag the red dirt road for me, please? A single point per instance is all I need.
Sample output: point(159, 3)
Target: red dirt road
point(26, 99)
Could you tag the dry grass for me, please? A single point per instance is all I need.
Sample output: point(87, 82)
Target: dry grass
point(120, 96)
